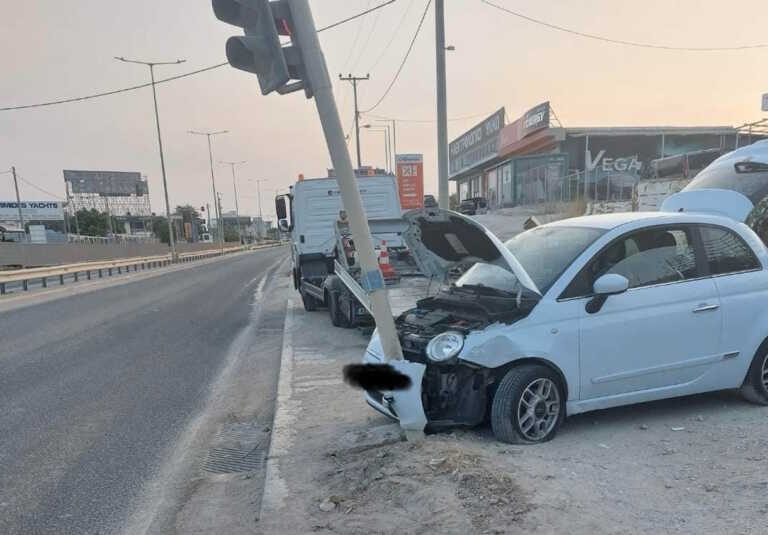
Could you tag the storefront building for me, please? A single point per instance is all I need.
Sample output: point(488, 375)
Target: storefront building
point(529, 161)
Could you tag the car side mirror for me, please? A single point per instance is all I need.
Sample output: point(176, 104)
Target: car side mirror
point(605, 286)
point(282, 224)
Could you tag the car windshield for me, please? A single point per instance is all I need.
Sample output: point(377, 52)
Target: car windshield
point(544, 253)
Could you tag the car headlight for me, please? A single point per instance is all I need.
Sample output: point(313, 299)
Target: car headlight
point(445, 346)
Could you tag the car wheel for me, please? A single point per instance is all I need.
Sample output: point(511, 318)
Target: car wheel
point(310, 303)
point(333, 308)
point(528, 406)
point(755, 388)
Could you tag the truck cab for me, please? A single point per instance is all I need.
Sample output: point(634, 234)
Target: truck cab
point(310, 212)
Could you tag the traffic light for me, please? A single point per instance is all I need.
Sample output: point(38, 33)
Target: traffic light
point(259, 51)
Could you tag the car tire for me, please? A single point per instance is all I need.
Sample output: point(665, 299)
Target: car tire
point(333, 308)
point(535, 419)
point(310, 303)
point(755, 387)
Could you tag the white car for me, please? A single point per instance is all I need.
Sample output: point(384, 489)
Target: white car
point(578, 315)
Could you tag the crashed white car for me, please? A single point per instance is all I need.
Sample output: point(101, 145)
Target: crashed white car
point(578, 315)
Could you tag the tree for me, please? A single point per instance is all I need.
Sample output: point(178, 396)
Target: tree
point(94, 223)
point(230, 234)
point(160, 228)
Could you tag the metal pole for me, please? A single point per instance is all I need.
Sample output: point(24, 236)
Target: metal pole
point(442, 113)
point(219, 222)
point(151, 65)
point(18, 202)
point(261, 215)
point(394, 144)
point(350, 193)
point(237, 203)
point(171, 237)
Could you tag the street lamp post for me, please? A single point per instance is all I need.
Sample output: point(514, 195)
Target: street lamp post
point(385, 131)
point(258, 197)
point(237, 202)
point(393, 145)
point(151, 65)
point(219, 221)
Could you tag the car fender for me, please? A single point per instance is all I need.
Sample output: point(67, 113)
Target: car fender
point(554, 343)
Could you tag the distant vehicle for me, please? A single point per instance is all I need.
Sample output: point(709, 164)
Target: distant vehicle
point(578, 315)
point(473, 206)
point(309, 214)
point(430, 201)
point(734, 185)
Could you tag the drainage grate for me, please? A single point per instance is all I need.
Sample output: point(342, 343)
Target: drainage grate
point(238, 448)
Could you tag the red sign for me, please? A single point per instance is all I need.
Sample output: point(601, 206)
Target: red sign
point(410, 180)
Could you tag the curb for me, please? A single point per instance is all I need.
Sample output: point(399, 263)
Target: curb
point(281, 438)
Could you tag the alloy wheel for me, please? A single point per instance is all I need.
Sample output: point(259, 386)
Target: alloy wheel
point(539, 407)
point(765, 372)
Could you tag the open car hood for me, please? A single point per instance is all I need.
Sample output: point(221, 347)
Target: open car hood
point(440, 240)
point(722, 202)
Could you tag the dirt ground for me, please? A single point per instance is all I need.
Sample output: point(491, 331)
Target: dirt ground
point(693, 465)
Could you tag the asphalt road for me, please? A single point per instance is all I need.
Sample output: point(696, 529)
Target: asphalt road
point(94, 387)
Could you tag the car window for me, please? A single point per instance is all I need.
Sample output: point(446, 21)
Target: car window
point(726, 251)
point(647, 257)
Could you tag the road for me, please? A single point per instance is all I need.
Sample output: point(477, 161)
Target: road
point(97, 388)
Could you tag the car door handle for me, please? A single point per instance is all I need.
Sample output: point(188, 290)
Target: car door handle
point(705, 308)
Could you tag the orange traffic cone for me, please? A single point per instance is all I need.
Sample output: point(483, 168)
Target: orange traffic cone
point(386, 268)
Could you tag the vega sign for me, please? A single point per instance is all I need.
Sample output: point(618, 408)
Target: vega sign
point(629, 164)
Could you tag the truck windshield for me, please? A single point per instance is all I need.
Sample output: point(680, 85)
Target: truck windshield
point(544, 252)
point(754, 185)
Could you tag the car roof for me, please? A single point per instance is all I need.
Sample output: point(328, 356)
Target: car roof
point(611, 221)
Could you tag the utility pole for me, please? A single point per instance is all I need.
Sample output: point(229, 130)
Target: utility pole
point(320, 83)
point(237, 203)
point(18, 202)
point(218, 203)
point(354, 80)
point(219, 222)
point(69, 204)
point(151, 65)
point(442, 113)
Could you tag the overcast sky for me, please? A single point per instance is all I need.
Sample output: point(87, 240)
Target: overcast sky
point(51, 49)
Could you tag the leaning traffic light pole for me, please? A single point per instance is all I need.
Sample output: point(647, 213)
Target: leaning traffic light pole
point(301, 65)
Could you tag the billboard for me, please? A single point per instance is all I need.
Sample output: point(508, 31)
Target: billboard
point(410, 180)
point(477, 145)
point(32, 211)
point(106, 183)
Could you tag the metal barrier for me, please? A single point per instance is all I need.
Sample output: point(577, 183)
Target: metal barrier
point(44, 274)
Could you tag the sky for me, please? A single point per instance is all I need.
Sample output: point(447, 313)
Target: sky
point(51, 49)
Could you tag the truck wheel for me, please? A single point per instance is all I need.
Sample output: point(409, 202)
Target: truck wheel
point(528, 406)
point(333, 308)
point(310, 303)
point(755, 388)
point(346, 320)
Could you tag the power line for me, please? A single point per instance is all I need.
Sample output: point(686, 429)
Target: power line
point(114, 92)
point(38, 188)
point(353, 17)
point(164, 80)
point(353, 48)
point(367, 41)
point(620, 41)
point(405, 59)
point(394, 36)
point(450, 119)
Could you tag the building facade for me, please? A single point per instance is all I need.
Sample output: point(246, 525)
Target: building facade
point(530, 161)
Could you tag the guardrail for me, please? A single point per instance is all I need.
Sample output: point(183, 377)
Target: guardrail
point(108, 267)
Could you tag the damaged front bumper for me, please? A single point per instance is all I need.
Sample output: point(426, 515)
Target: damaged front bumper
point(405, 406)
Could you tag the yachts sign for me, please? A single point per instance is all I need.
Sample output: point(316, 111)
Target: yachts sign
point(32, 210)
